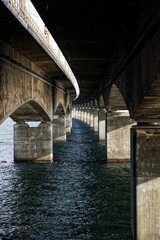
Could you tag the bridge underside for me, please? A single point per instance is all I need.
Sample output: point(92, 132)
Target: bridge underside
point(113, 48)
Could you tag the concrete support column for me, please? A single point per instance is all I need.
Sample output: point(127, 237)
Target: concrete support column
point(59, 128)
point(68, 123)
point(79, 114)
point(33, 144)
point(82, 115)
point(95, 121)
point(73, 113)
point(88, 117)
point(145, 175)
point(85, 116)
point(91, 119)
point(71, 121)
point(76, 114)
point(102, 125)
point(118, 136)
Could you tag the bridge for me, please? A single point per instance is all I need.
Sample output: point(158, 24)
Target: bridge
point(113, 49)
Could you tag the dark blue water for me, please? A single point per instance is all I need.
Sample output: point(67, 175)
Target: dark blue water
point(80, 196)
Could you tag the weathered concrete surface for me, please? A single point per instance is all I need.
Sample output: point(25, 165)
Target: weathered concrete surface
point(95, 121)
point(146, 182)
point(102, 125)
point(33, 144)
point(76, 114)
point(148, 110)
point(115, 99)
point(85, 116)
point(91, 119)
point(79, 115)
point(22, 96)
point(59, 129)
point(88, 116)
point(82, 115)
point(118, 136)
point(73, 113)
point(68, 123)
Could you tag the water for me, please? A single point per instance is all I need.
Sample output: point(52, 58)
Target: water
point(79, 197)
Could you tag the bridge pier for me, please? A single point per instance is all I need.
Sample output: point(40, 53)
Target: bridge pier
point(73, 113)
point(102, 125)
point(95, 120)
point(145, 172)
point(79, 114)
point(33, 144)
point(118, 136)
point(82, 115)
point(68, 122)
point(91, 119)
point(76, 114)
point(85, 116)
point(88, 116)
point(59, 128)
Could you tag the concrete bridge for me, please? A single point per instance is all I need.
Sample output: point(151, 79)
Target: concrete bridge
point(113, 48)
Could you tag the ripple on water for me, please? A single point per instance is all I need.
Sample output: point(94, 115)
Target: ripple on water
point(78, 197)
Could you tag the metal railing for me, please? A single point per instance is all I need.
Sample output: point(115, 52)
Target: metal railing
point(21, 10)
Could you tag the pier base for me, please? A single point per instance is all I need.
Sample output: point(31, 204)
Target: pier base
point(33, 144)
point(145, 170)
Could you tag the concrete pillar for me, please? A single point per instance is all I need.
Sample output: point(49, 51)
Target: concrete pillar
point(76, 114)
point(33, 144)
point(71, 121)
point(95, 121)
point(145, 175)
point(73, 113)
point(79, 114)
point(118, 136)
point(88, 117)
point(102, 125)
point(82, 115)
point(85, 116)
point(68, 123)
point(91, 119)
point(59, 128)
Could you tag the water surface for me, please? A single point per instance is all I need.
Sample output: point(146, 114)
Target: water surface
point(80, 196)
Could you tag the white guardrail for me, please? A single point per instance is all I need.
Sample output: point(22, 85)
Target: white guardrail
point(24, 15)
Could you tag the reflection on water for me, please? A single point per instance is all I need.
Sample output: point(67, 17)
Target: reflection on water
point(78, 197)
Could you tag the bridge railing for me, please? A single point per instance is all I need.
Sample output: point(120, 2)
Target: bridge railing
point(21, 10)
